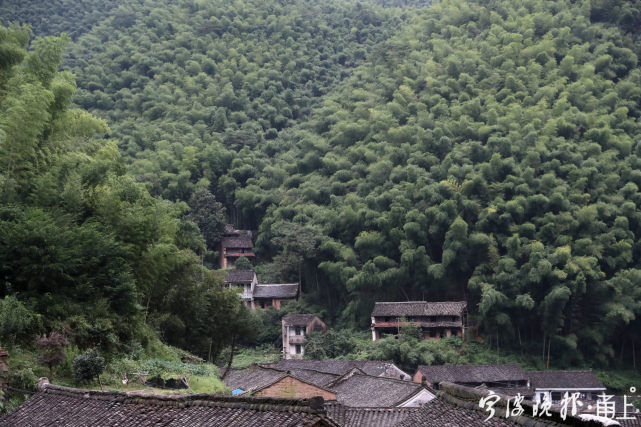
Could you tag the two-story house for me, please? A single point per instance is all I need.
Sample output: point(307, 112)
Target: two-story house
point(295, 327)
point(436, 319)
point(235, 243)
point(244, 282)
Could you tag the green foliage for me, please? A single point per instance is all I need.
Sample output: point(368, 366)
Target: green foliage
point(57, 16)
point(17, 323)
point(84, 248)
point(88, 366)
point(475, 150)
point(329, 345)
point(243, 263)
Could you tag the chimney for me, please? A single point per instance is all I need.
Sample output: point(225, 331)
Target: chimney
point(4, 371)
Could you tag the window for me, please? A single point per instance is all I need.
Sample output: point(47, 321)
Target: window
point(297, 330)
point(298, 349)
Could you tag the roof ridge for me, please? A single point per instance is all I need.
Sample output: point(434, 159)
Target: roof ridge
point(387, 378)
point(311, 405)
point(276, 284)
point(300, 369)
point(419, 302)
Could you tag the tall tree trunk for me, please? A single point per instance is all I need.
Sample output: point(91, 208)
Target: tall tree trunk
point(634, 357)
point(549, 345)
point(543, 354)
point(231, 357)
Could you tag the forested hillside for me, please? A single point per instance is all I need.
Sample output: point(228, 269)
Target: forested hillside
point(186, 85)
point(54, 17)
point(84, 248)
point(486, 150)
point(490, 152)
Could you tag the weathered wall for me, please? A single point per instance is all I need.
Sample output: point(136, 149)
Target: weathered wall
point(292, 388)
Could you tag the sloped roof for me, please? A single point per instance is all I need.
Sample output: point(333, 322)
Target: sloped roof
point(284, 290)
point(321, 379)
point(419, 308)
point(564, 379)
point(298, 319)
point(239, 276)
point(369, 391)
point(358, 417)
point(258, 377)
point(244, 242)
point(473, 373)
point(340, 367)
point(252, 378)
point(64, 406)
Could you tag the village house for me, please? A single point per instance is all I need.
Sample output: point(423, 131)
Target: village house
point(338, 368)
point(261, 381)
point(274, 295)
point(234, 244)
point(554, 384)
point(436, 319)
point(495, 377)
point(295, 327)
point(64, 406)
point(357, 389)
point(245, 282)
point(453, 405)
point(353, 388)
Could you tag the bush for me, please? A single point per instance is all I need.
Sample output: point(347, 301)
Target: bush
point(329, 345)
point(51, 350)
point(17, 322)
point(88, 366)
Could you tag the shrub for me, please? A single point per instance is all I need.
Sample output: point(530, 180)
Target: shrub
point(88, 366)
point(51, 350)
point(17, 322)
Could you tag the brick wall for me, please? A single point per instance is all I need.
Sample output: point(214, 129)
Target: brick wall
point(292, 388)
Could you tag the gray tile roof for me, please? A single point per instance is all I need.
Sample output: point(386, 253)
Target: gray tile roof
point(242, 242)
point(419, 308)
point(369, 391)
point(258, 377)
point(437, 412)
point(321, 379)
point(473, 373)
point(239, 276)
point(341, 367)
point(251, 378)
point(63, 406)
point(285, 290)
point(358, 417)
point(564, 379)
point(298, 319)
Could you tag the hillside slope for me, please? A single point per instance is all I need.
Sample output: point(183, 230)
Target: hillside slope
point(490, 151)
